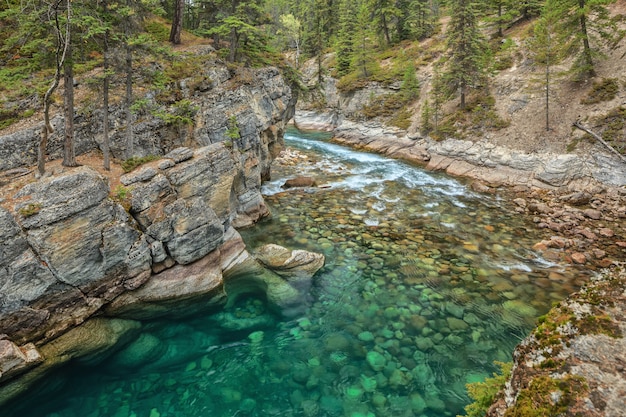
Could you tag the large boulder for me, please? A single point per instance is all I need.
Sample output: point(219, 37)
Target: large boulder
point(68, 249)
point(293, 265)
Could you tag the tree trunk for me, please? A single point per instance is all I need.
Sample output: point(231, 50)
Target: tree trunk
point(234, 44)
point(599, 139)
point(386, 30)
point(69, 156)
point(177, 22)
point(586, 47)
point(105, 101)
point(463, 87)
point(129, 101)
point(61, 52)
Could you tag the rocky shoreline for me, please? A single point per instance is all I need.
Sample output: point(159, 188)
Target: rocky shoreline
point(84, 258)
point(581, 206)
point(584, 209)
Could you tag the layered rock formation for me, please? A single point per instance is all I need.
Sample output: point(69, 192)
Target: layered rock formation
point(480, 160)
point(71, 248)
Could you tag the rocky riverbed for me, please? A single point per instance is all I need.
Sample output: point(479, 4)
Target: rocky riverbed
point(580, 205)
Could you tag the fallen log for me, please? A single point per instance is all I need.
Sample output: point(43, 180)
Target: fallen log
point(599, 139)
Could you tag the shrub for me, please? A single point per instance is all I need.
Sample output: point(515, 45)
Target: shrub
point(132, 163)
point(30, 209)
point(604, 90)
point(484, 393)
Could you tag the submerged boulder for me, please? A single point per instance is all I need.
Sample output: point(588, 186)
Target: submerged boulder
point(300, 182)
point(290, 264)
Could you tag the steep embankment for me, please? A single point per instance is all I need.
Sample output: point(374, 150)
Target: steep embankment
point(72, 248)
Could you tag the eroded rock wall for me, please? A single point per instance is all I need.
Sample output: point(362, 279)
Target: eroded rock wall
point(71, 248)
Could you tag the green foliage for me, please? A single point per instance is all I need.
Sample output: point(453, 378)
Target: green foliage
point(30, 209)
point(410, 85)
point(232, 132)
point(8, 116)
point(581, 27)
point(121, 193)
point(504, 54)
point(613, 128)
point(426, 118)
point(141, 106)
point(484, 393)
point(538, 399)
point(180, 114)
point(479, 114)
point(603, 90)
point(467, 49)
point(130, 164)
point(159, 30)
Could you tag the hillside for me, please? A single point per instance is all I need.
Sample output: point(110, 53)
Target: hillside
point(510, 111)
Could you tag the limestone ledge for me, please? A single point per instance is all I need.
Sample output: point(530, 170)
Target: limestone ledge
point(479, 160)
point(70, 250)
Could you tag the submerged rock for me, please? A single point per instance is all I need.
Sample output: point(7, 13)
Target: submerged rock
point(294, 265)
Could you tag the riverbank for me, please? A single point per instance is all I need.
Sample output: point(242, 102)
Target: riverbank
point(581, 206)
point(580, 202)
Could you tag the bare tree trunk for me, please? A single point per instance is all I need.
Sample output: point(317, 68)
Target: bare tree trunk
point(548, 86)
point(234, 44)
point(586, 47)
point(177, 22)
point(599, 139)
point(69, 156)
point(129, 101)
point(60, 55)
point(106, 163)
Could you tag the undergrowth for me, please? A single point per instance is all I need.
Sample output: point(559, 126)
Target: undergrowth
point(130, 164)
point(479, 114)
point(603, 90)
point(484, 393)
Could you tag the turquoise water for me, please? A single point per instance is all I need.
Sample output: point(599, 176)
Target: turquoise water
point(426, 283)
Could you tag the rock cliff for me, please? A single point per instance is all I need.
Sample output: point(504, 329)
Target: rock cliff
point(71, 248)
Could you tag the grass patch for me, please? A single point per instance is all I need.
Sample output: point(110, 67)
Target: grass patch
point(122, 195)
point(30, 209)
point(603, 90)
point(136, 161)
point(547, 396)
point(612, 128)
point(478, 115)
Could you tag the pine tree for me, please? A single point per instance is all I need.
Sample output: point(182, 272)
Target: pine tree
point(384, 13)
point(344, 45)
point(545, 48)
point(530, 8)
point(417, 20)
point(466, 48)
point(62, 30)
point(501, 13)
point(583, 25)
point(362, 54)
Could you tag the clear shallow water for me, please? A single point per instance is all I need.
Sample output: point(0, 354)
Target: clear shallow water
point(426, 284)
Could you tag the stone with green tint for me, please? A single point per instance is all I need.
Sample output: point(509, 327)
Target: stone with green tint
point(366, 336)
point(376, 361)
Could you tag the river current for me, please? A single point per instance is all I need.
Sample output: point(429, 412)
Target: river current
point(426, 284)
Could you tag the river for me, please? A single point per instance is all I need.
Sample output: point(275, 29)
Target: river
point(426, 284)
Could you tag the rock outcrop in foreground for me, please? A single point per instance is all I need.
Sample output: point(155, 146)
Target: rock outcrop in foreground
point(574, 363)
point(72, 248)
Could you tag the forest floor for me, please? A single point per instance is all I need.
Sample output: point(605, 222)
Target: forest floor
point(520, 97)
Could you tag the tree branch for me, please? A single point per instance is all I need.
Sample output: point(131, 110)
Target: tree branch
point(599, 139)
